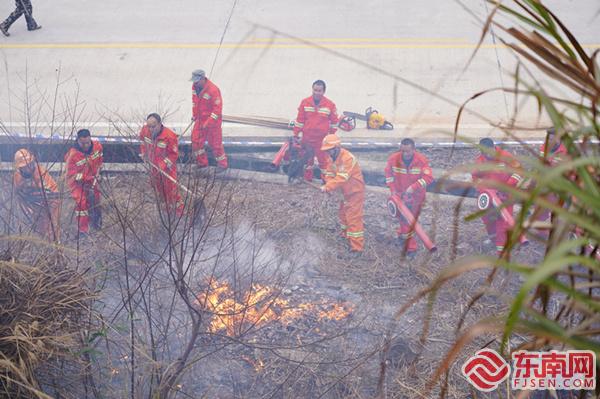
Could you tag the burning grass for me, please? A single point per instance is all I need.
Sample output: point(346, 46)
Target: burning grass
point(258, 306)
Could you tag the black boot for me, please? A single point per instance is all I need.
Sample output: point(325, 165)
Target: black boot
point(31, 24)
point(96, 218)
point(4, 29)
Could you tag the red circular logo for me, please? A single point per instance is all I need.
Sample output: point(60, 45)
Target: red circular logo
point(486, 370)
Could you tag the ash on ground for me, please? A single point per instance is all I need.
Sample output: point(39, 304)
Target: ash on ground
point(153, 277)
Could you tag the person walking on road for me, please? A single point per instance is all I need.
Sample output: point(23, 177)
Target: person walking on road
point(207, 113)
point(22, 7)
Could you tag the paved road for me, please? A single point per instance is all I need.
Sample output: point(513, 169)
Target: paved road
point(119, 60)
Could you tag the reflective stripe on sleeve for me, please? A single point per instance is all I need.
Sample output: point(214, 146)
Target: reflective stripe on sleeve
point(355, 233)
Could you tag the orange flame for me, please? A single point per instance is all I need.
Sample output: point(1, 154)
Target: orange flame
point(258, 306)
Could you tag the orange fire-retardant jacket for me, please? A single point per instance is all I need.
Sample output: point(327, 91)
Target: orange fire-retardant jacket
point(162, 152)
point(208, 106)
point(316, 121)
point(502, 160)
point(344, 173)
point(40, 179)
point(400, 177)
point(83, 168)
point(556, 156)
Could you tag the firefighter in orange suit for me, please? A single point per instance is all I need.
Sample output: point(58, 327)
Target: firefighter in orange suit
point(407, 174)
point(495, 225)
point(84, 161)
point(343, 173)
point(159, 147)
point(207, 113)
point(317, 117)
point(37, 195)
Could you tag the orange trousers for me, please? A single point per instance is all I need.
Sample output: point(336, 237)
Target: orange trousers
point(404, 231)
point(85, 206)
point(167, 191)
point(215, 141)
point(322, 158)
point(351, 219)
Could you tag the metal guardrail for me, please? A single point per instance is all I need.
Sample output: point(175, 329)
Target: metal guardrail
point(126, 152)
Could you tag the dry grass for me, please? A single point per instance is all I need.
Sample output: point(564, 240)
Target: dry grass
point(43, 310)
point(300, 223)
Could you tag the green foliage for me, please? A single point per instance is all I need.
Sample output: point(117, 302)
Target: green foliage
point(556, 305)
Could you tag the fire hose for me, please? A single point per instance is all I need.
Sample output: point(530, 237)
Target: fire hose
point(297, 155)
point(397, 209)
point(280, 155)
point(489, 198)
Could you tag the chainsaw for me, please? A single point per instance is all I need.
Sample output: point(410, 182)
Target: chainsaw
point(373, 118)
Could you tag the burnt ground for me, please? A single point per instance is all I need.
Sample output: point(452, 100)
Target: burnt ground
point(382, 280)
point(290, 242)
